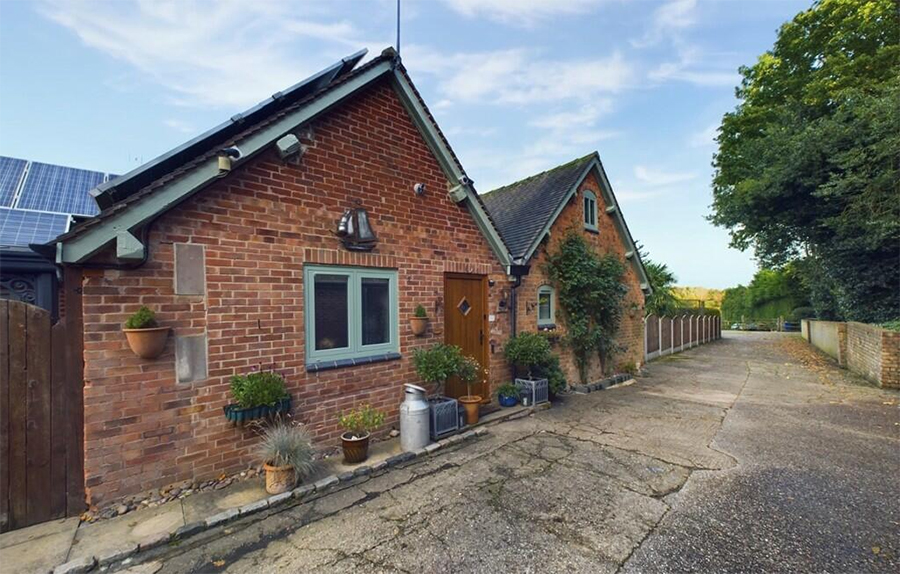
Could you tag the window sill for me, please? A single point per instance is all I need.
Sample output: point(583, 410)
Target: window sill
point(547, 327)
point(359, 361)
point(592, 230)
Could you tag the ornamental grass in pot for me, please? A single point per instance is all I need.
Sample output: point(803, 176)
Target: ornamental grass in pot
point(419, 321)
point(145, 337)
point(359, 424)
point(287, 455)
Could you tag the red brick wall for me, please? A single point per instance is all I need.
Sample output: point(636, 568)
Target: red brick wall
point(631, 331)
point(872, 352)
point(260, 225)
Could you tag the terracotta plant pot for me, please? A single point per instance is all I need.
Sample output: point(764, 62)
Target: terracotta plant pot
point(418, 325)
point(355, 449)
point(279, 478)
point(147, 343)
point(471, 403)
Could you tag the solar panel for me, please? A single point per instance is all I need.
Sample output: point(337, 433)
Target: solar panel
point(11, 170)
point(60, 189)
point(21, 227)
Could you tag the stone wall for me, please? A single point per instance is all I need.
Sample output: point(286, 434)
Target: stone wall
point(149, 423)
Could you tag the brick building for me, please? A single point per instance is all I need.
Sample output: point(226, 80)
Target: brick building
point(534, 215)
point(233, 240)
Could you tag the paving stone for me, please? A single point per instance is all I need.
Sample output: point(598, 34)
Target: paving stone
point(433, 447)
point(222, 517)
point(363, 471)
point(345, 476)
point(254, 507)
point(303, 491)
point(117, 555)
point(77, 566)
point(326, 482)
point(154, 541)
point(277, 499)
point(190, 529)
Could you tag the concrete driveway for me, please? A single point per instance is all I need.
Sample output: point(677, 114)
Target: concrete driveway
point(736, 456)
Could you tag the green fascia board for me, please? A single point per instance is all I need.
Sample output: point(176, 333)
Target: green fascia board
point(440, 150)
point(610, 200)
point(82, 247)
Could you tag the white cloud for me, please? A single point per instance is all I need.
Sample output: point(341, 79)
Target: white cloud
point(519, 76)
point(586, 115)
point(705, 137)
point(179, 126)
point(226, 53)
point(521, 12)
point(657, 178)
point(668, 22)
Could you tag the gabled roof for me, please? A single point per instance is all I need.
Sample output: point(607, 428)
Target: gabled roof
point(525, 211)
point(522, 210)
point(137, 198)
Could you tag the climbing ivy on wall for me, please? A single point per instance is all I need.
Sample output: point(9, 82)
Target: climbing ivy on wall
point(590, 292)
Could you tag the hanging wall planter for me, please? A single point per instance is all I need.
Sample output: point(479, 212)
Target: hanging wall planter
point(144, 335)
point(238, 415)
point(419, 323)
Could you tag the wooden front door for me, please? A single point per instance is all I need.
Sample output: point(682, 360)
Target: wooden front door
point(466, 326)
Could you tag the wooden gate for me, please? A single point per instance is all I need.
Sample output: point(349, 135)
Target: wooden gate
point(41, 453)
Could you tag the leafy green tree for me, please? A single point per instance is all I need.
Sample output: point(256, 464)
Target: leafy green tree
point(663, 300)
point(807, 168)
point(771, 294)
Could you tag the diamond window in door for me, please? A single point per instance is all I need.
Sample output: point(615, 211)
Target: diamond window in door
point(464, 306)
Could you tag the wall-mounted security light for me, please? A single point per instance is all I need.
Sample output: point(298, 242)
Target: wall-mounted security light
point(226, 156)
point(289, 147)
point(419, 189)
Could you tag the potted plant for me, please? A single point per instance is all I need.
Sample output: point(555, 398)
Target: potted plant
point(435, 365)
point(257, 395)
point(287, 456)
point(145, 337)
point(359, 424)
point(419, 322)
point(508, 395)
point(533, 361)
point(469, 371)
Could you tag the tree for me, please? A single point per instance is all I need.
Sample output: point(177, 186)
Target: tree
point(663, 300)
point(807, 166)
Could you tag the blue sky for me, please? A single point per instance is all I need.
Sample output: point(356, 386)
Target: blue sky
point(518, 86)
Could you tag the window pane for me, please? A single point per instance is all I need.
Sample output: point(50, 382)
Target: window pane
point(331, 312)
point(376, 309)
point(587, 210)
point(544, 306)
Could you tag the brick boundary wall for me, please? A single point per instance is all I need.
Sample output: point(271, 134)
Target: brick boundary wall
point(866, 350)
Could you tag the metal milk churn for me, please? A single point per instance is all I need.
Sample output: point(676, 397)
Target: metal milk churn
point(414, 419)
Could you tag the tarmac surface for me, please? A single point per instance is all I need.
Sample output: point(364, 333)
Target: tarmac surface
point(751, 454)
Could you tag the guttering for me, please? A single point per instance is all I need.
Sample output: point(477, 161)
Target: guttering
point(517, 271)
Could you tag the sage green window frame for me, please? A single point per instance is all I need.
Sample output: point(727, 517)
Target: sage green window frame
point(355, 349)
point(590, 210)
point(551, 321)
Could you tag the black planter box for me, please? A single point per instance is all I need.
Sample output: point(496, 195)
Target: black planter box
point(237, 415)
